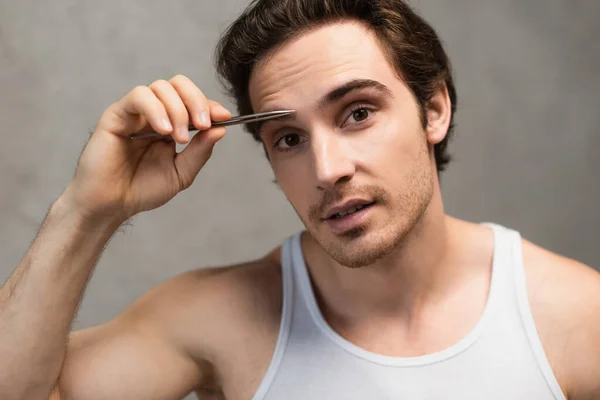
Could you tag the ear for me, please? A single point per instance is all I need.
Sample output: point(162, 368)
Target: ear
point(439, 113)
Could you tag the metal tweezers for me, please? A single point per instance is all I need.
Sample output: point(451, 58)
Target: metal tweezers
point(242, 119)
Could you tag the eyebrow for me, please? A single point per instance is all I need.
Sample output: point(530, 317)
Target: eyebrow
point(333, 96)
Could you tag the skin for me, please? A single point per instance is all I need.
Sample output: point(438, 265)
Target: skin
point(416, 268)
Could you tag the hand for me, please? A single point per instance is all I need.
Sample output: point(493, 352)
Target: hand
point(118, 177)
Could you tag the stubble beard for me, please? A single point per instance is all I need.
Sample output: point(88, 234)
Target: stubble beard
point(367, 244)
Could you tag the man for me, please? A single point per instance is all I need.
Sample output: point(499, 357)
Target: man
point(383, 296)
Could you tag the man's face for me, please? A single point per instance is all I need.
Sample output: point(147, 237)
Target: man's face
point(356, 140)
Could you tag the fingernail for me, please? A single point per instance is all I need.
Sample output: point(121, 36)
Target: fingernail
point(205, 119)
point(185, 133)
point(166, 124)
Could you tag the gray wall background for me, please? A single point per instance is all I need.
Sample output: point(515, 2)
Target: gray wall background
point(526, 151)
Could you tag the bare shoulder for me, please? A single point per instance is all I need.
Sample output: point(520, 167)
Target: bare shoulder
point(201, 308)
point(169, 341)
point(564, 296)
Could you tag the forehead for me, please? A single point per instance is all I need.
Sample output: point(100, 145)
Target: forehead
point(305, 68)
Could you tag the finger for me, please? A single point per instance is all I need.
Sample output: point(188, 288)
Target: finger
point(218, 113)
point(175, 107)
point(190, 161)
point(194, 100)
point(140, 102)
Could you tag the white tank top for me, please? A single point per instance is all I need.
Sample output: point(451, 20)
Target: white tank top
point(501, 358)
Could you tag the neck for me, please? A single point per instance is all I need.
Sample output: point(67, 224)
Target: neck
point(419, 273)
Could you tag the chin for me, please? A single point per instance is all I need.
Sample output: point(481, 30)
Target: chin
point(377, 238)
point(364, 245)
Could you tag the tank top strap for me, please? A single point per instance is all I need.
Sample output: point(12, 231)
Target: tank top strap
point(503, 263)
point(285, 325)
point(515, 300)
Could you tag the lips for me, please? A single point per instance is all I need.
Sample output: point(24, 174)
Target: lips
point(346, 208)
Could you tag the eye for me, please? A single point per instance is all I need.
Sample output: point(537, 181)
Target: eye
point(358, 114)
point(288, 141)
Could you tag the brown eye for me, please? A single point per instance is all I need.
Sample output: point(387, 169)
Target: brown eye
point(288, 142)
point(360, 114)
point(292, 140)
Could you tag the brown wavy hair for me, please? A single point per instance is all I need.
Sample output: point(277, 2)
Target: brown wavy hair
point(411, 44)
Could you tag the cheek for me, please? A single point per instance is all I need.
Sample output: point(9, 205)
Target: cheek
point(388, 143)
point(294, 183)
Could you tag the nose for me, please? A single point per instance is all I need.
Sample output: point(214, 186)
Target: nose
point(333, 163)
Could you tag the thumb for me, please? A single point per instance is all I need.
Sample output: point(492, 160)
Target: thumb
point(190, 161)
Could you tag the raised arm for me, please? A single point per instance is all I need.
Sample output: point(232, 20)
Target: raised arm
point(116, 178)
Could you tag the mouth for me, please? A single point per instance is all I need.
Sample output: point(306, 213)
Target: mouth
point(347, 210)
point(351, 211)
point(350, 217)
